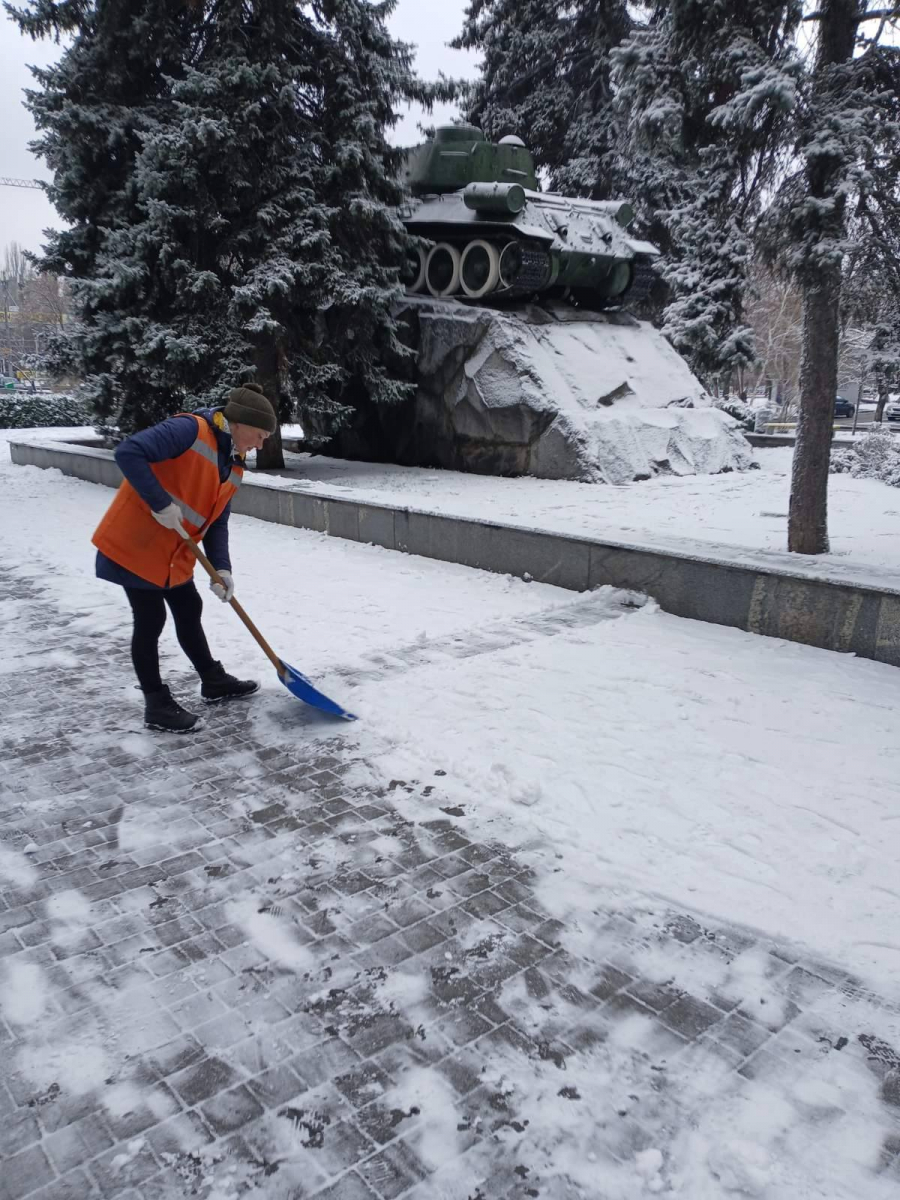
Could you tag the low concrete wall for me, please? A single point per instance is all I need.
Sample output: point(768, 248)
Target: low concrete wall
point(834, 616)
point(761, 441)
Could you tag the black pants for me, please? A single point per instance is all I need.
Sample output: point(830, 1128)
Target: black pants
point(149, 610)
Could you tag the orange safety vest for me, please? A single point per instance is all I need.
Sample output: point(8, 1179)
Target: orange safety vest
point(133, 538)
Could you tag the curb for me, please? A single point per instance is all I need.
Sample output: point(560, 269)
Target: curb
point(767, 599)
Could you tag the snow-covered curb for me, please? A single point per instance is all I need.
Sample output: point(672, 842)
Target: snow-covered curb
point(738, 518)
point(758, 591)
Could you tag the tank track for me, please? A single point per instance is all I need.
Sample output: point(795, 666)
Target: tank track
point(642, 281)
point(533, 274)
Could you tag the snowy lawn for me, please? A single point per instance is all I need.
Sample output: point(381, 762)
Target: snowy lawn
point(732, 515)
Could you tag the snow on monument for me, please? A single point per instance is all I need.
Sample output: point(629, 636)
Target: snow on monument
point(555, 392)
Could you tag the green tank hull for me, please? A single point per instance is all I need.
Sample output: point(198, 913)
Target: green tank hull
point(486, 233)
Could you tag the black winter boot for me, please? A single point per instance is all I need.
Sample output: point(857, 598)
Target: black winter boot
point(219, 685)
point(162, 711)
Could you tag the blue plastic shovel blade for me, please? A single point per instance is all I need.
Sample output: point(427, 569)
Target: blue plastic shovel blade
point(298, 685)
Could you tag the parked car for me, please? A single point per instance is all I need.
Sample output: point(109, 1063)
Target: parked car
point(843, 408)
point(892, 409)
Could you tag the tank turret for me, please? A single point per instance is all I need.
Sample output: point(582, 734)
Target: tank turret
point(489, 234)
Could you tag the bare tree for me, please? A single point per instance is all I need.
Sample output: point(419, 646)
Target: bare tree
point(31, 306)
point(774, 311)
point(17, 267)
point(44, 299)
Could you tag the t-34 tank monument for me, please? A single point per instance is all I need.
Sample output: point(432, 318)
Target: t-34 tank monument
point(528, 359)
point(494, 235)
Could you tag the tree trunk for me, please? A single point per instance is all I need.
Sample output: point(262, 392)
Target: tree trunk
point(879, 407)
point(808, 510)
point(271, 456)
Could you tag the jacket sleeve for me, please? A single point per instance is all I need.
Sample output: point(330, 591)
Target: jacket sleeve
point(169, 439)
point(215, 541)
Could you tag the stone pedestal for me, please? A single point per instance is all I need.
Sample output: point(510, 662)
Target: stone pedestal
point(559, 393)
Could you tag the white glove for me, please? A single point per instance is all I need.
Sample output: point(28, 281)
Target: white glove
point(223, 593)
point(170, 518)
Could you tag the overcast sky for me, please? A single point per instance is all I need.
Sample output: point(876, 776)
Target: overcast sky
point(25, 212)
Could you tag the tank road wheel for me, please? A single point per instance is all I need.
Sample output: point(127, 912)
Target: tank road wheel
point(479, 269)
point(442, 270)
point(414, 275)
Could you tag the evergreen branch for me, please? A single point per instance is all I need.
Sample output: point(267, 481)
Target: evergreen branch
point(889, 14)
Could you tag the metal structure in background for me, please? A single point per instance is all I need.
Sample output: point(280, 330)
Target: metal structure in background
point(26, 183)
point(7, 350)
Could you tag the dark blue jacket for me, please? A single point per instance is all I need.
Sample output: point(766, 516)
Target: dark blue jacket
point(169, 439)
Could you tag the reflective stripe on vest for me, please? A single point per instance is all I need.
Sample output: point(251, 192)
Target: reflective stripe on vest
point(200, 447)
point(188, 513)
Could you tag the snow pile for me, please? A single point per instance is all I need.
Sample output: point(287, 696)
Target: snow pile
point(600, 360)
point(638, 444)
point(625, 402)
point(876, 456)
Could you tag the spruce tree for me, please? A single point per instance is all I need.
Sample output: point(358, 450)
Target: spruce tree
point(246, 227)
point(870, 302)
point(704, 96)
point(678, 106)
point(546, 77)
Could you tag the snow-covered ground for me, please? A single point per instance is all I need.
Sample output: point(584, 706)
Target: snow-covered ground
point(751, 778)
point(633, 757)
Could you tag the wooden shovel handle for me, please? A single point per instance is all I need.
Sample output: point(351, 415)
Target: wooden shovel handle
point(217, 578)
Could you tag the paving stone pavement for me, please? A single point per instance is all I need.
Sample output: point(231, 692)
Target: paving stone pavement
point(228, 969)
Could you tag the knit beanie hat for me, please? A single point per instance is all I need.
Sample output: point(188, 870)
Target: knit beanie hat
point(248, 406)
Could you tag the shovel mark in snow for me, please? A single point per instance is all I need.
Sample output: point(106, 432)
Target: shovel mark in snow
point(879, 945)
point(73, 1061)
point(23, 993)
point(814, 812)
point(16, 869)
point(70, 913)
point(272, 936)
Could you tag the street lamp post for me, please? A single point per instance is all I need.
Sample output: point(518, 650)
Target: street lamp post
point(4, 283)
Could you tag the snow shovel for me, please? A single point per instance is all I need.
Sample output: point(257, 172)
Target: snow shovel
point(296, 683)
